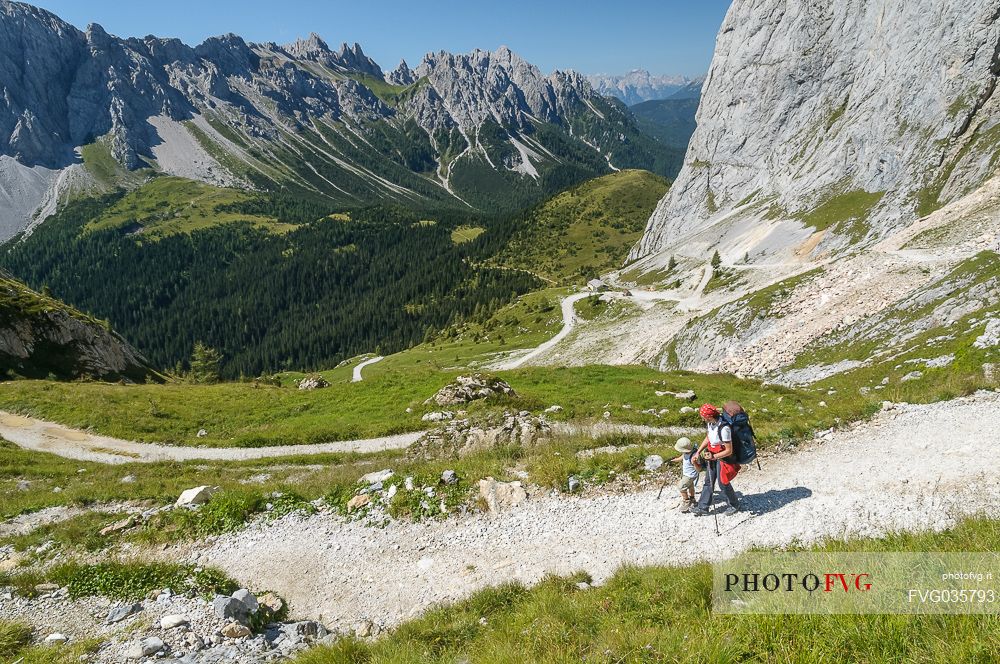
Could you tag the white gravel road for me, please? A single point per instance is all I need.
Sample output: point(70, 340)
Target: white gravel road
point(569, 321)
point(356, 375)
point(910, 468)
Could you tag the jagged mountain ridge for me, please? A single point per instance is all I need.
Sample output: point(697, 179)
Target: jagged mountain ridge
point(300, 117)
point(824, 126)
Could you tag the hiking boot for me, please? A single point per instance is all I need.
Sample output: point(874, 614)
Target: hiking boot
point(685, 507)
point(731, 511)
point(698, 510)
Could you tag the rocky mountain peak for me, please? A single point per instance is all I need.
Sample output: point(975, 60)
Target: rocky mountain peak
point(401, 75)
point(98, 39)
point(309, 48)
point(229, 53)
point(353, 58)
point(497, 85)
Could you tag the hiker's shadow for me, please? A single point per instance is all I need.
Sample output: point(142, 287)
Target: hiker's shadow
point(775, 499)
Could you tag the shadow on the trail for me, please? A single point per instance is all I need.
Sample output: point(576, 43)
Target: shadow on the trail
point(775, 499)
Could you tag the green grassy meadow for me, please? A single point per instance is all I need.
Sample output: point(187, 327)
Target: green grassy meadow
point(167, 205)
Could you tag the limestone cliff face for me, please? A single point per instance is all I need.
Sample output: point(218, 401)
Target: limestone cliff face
point(852, 117)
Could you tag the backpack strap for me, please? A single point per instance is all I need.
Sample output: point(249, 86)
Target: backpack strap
point(726, 425)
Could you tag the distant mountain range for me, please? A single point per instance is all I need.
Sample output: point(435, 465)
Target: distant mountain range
point(639, 85)
point(84, 112)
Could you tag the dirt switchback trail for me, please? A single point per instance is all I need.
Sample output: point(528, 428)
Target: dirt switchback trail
point(569, 321)
point(910, 468)
point(42, 436)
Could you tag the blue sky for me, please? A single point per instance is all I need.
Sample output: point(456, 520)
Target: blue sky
point(663, 36)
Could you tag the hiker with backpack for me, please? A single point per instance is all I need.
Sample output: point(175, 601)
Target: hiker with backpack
point(744, 439)
point(717, 451)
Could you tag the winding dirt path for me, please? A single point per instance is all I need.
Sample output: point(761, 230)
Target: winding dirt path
point(910, 468)
point(42, 436)
point(356, 376)
point(569, 322)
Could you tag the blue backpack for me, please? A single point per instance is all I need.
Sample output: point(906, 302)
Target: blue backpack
point(744, 447)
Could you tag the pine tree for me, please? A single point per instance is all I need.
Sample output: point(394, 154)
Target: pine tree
point(205, 363)
point(716, 260)
point(671, 264)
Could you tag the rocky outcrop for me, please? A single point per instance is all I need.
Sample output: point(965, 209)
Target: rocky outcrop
point(40, 336)
point(850, 117)
point(471, 388)
point(313, 382)
point(401, 75)
point(501, 496)
point(460, 438)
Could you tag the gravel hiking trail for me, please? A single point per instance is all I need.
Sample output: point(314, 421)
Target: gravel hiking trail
point(569, 321)
point(912, 467)
point(42, 436)
point(356, 377)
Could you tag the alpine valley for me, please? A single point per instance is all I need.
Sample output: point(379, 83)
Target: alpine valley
point(306, 361)
point(213, 185)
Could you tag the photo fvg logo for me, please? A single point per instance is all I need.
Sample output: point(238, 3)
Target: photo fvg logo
point(827, 582)
point(836, 583)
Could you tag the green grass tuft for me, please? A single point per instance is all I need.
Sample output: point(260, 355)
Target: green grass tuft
point(14, 636)
point(125, 580)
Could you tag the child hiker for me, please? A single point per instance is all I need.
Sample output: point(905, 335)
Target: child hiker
point(690, 467)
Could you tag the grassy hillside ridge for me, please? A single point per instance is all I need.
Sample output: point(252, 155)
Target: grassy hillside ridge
point(17, 300)
point(586, 230)
point(41, 336)
point(655, 614)
point(167, 205)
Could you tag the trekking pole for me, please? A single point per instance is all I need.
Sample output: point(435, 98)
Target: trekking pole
point(662, 485)
point(711, 496)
